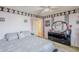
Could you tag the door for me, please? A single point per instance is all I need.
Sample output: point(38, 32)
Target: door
point(37, 24)
point(39, 27)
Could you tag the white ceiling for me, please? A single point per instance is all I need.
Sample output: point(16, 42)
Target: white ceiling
point(39, 10)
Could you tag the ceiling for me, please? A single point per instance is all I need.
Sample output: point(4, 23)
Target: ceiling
point(41, 10)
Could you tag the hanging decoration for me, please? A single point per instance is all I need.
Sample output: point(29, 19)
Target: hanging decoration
point(4, 9)
point(63, 13)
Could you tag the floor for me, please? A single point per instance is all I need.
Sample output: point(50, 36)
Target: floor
point(65, 48)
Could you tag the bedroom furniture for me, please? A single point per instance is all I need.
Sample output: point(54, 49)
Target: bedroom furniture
point(60, 33)
point(58, 37)
point(25, 42)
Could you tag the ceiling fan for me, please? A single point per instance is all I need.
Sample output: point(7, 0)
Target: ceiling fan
point(46, 9)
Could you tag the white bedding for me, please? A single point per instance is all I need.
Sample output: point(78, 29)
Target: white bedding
point(27, 44)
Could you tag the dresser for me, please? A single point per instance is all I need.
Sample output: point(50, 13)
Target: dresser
point(59, 37)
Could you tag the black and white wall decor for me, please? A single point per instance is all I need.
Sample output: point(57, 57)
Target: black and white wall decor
point(9, 10)
point(1, 8)
point(63, 13)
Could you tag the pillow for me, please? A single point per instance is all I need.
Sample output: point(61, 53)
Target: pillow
point(26, 33)
point(11, 36)
point(23, 34)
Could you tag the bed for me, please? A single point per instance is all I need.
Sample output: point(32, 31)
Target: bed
point(28, 43)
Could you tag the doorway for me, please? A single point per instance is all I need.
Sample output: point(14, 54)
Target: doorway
point(38, 26)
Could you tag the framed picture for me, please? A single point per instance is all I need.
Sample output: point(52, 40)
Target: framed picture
point(47, 23)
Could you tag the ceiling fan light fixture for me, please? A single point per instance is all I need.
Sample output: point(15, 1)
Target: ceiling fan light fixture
point(46, 10)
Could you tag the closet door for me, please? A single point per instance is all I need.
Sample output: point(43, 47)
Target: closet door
point(74, 21)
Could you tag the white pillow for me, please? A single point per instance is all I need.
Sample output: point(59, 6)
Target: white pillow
point(21, 35)
point(11, 36)
point(24, 34)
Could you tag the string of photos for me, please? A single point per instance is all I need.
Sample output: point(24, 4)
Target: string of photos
point(9, 10)
point(63, 13)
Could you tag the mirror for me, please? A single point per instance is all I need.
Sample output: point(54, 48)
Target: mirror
point(59, 26)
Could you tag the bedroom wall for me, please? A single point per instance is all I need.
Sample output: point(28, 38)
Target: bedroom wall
point(13, 23)
point(57, 18)
point(74, 21)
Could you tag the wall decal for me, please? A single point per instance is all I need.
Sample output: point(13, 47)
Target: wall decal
point(69, 12)
point(74, 11)
point(33, 15)
point(18, 12)
point(13, 10)
point(64, 13)
point(21, 13)
point(8, 10)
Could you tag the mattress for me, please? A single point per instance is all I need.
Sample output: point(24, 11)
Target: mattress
point(27, 44)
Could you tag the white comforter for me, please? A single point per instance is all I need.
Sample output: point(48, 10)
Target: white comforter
point(27, 44)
